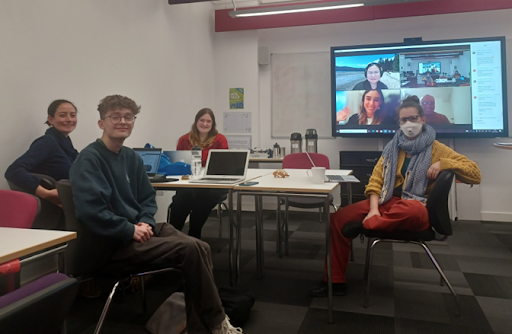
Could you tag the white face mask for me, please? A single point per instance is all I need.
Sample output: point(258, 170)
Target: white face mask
point(411, 129)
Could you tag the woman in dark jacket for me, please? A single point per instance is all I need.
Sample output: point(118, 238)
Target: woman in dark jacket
point(51, 154)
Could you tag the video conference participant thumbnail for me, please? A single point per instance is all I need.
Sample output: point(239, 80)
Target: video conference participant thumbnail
point(371, 107)
point(365, 72)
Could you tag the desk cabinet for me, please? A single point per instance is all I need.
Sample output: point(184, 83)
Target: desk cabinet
point(362, 163)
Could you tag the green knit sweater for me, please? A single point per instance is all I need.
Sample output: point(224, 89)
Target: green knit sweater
point(111, 191)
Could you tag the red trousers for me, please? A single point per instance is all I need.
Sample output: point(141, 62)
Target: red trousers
point(397, 214)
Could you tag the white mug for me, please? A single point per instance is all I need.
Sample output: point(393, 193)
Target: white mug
point(317, 174)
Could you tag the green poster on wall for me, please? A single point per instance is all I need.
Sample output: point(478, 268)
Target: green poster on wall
point(236, 98)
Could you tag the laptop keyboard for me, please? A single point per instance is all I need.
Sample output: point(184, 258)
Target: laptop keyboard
point(334, 177)
point(220, 179)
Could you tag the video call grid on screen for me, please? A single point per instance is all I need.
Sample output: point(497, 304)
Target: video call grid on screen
point(460, 85)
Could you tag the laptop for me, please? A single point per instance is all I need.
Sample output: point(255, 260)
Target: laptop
point(179, 156)
point(225, 167)
point(151, 160)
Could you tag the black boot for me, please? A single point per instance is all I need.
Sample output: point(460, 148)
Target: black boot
point(338, 289)
point(352, 229)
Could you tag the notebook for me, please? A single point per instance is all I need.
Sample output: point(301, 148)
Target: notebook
point(225, 167)
point(179, 156)
point(151, 159)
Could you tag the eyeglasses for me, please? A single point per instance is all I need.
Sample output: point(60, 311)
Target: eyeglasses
point(414, 119)
point(116, 119)
point(428, 103)
point(373, 72)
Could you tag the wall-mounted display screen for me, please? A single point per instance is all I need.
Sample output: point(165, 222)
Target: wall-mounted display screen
point(461, 85)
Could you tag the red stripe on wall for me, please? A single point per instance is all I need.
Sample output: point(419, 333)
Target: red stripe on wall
point(224, 22)
point(438, 7)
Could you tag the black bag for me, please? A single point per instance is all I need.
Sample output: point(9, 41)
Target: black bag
point(237, 305)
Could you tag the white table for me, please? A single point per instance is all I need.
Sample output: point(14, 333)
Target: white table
point(17, 243)
point(298, 184)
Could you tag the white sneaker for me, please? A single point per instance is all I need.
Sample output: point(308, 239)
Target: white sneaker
point(226, 328)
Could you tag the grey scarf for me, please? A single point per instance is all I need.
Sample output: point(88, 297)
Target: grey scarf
point(416, 180)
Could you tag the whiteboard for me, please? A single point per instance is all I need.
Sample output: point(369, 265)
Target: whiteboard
point(301, 94)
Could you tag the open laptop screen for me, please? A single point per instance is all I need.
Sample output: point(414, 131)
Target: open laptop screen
point(224, 162)
point(150, 158)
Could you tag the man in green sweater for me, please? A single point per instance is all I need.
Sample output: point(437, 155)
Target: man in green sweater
point(115, 200)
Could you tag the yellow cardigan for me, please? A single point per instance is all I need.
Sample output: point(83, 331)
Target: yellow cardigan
point(466, 171)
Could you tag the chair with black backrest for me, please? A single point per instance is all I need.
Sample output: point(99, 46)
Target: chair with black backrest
point(51, 216)
point(38, 307)
point(87, 256)
point(439, 217)
point(300, 161)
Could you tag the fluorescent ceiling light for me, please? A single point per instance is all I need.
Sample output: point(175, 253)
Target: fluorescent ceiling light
point(292, 9)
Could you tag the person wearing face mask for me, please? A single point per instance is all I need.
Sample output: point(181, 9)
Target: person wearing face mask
point(372, 110)
point(198, 203)
point(397, 190)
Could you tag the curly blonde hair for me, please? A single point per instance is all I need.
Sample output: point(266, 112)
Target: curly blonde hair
point(114, 102)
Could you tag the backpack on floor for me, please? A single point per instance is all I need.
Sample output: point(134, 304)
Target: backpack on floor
point(170, 317)
point(237, 305)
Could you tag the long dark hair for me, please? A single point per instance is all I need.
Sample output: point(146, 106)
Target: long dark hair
point(52, 108)
point(380, 113)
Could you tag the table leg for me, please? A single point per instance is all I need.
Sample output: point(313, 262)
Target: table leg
point(349, 190)
point(279, 240)
point(285, 236)
point(232, 269)
point(238, 235)
point(258, 235)
point(329, 259)
point(262, 237)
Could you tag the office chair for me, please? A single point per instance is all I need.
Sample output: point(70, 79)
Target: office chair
point(439, 217)
point(300, 161)
point(87, 256)
point(51, 216)
point(17, 210)
point(38, 307)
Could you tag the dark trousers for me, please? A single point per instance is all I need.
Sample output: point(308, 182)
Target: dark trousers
point(171, 248)
point(198, 203)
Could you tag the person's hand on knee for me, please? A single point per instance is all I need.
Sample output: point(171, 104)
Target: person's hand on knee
point(143, 232)
point(371, 214)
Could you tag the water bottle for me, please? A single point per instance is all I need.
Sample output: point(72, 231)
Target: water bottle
point(195, 163)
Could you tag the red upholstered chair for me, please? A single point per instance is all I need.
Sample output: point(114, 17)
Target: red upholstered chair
point(300, 161)
point(17, 210)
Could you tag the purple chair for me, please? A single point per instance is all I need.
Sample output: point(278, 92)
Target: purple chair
point(38, 307)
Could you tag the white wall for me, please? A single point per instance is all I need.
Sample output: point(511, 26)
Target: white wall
point(492, 198)
point(159, 55)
